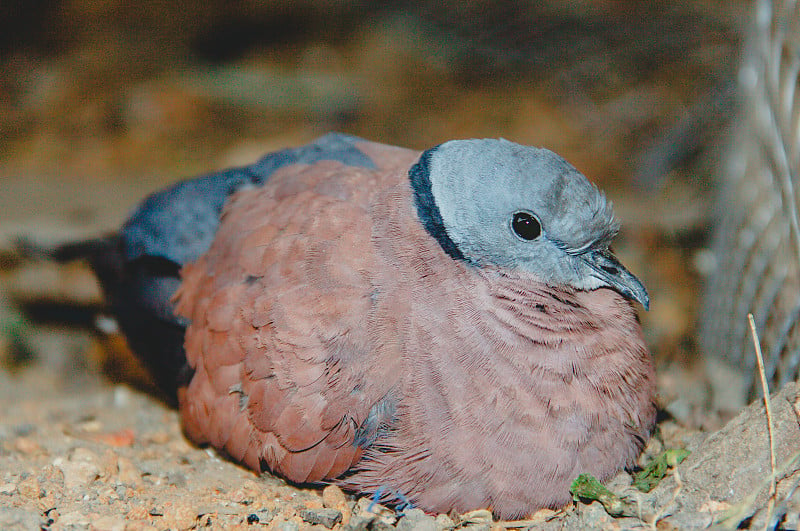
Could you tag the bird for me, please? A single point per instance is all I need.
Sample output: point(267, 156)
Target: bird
point(447, 328)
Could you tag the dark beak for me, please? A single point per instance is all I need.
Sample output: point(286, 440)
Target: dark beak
point(613, 273)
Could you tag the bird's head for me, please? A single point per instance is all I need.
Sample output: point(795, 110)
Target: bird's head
point(520, 207)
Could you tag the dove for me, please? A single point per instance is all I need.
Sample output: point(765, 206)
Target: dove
point(448, 328)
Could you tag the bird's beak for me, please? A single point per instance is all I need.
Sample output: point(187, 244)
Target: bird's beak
point(614, 274)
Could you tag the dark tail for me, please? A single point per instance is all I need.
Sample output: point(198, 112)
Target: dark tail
point(138, 293)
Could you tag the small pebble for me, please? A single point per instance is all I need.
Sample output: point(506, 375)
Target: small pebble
point(26, 445)
point(53, 476)
point(138, 513)
point(122, 396)
point(108, 523)
point(444, 522)
point(119, 439)
point(479, 515)
point(108, 464)
point(322, 516)
point(176, 479)
point(80, 469)
point(333, 497)
point(29, 488)
point(360, 523)
point(367, 506)
point(263, 517)
point(181, 516)
point(8, 489)
point(543, 515)
point(90, 426)
point(158, 437)
point(287, 525)
point(246, 493)
point(416, 519)
point(127, 472)
point(381, 525)
point(313, 503)
point(73, 520)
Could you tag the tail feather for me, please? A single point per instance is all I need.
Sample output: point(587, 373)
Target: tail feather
point(138, 294)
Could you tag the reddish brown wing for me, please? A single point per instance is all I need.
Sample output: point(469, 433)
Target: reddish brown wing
point(278, 307)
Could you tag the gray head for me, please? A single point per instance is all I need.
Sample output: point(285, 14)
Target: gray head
point(497, 202)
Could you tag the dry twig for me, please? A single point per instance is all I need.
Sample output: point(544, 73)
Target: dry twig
point(765, 387)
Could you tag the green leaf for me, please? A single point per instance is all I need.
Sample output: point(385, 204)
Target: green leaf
point(647, 479)
point(587, 488)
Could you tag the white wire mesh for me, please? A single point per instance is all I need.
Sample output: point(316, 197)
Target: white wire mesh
point(757, 240)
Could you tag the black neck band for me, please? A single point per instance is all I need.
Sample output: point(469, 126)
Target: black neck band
point(427, 210)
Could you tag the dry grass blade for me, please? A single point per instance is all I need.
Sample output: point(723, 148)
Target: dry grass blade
point(768, 408)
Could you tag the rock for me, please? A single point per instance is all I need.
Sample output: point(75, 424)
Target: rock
point(20, 518)
point(27, 446)
point(128, 473)
point(287, 525)
point(263, 517)
point(80, 469)
point(731, 465)
point(181, 515)
point(333, 497)
point(360, 523)
point(416, 519)
point(477, 517)
point(72, 520)
point(138, 513)
point(29, 488)
point(594, 516)
point(380, 525)
point(108, 523)
point(366, 507)
point(444, 522)
point(733, 462)
point(175, 478)
point(322, 516)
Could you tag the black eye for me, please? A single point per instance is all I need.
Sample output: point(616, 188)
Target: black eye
point(526, 226)
point(611, 270)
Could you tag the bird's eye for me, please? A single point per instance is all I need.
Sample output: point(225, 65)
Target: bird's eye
point(526, 226)
point(611, 270)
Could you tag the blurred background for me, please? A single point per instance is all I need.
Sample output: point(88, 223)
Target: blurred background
point(104, 101)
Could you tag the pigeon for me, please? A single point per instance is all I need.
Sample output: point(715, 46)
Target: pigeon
point(448, 329)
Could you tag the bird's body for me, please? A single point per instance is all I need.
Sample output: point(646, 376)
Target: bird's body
point(393, 326)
